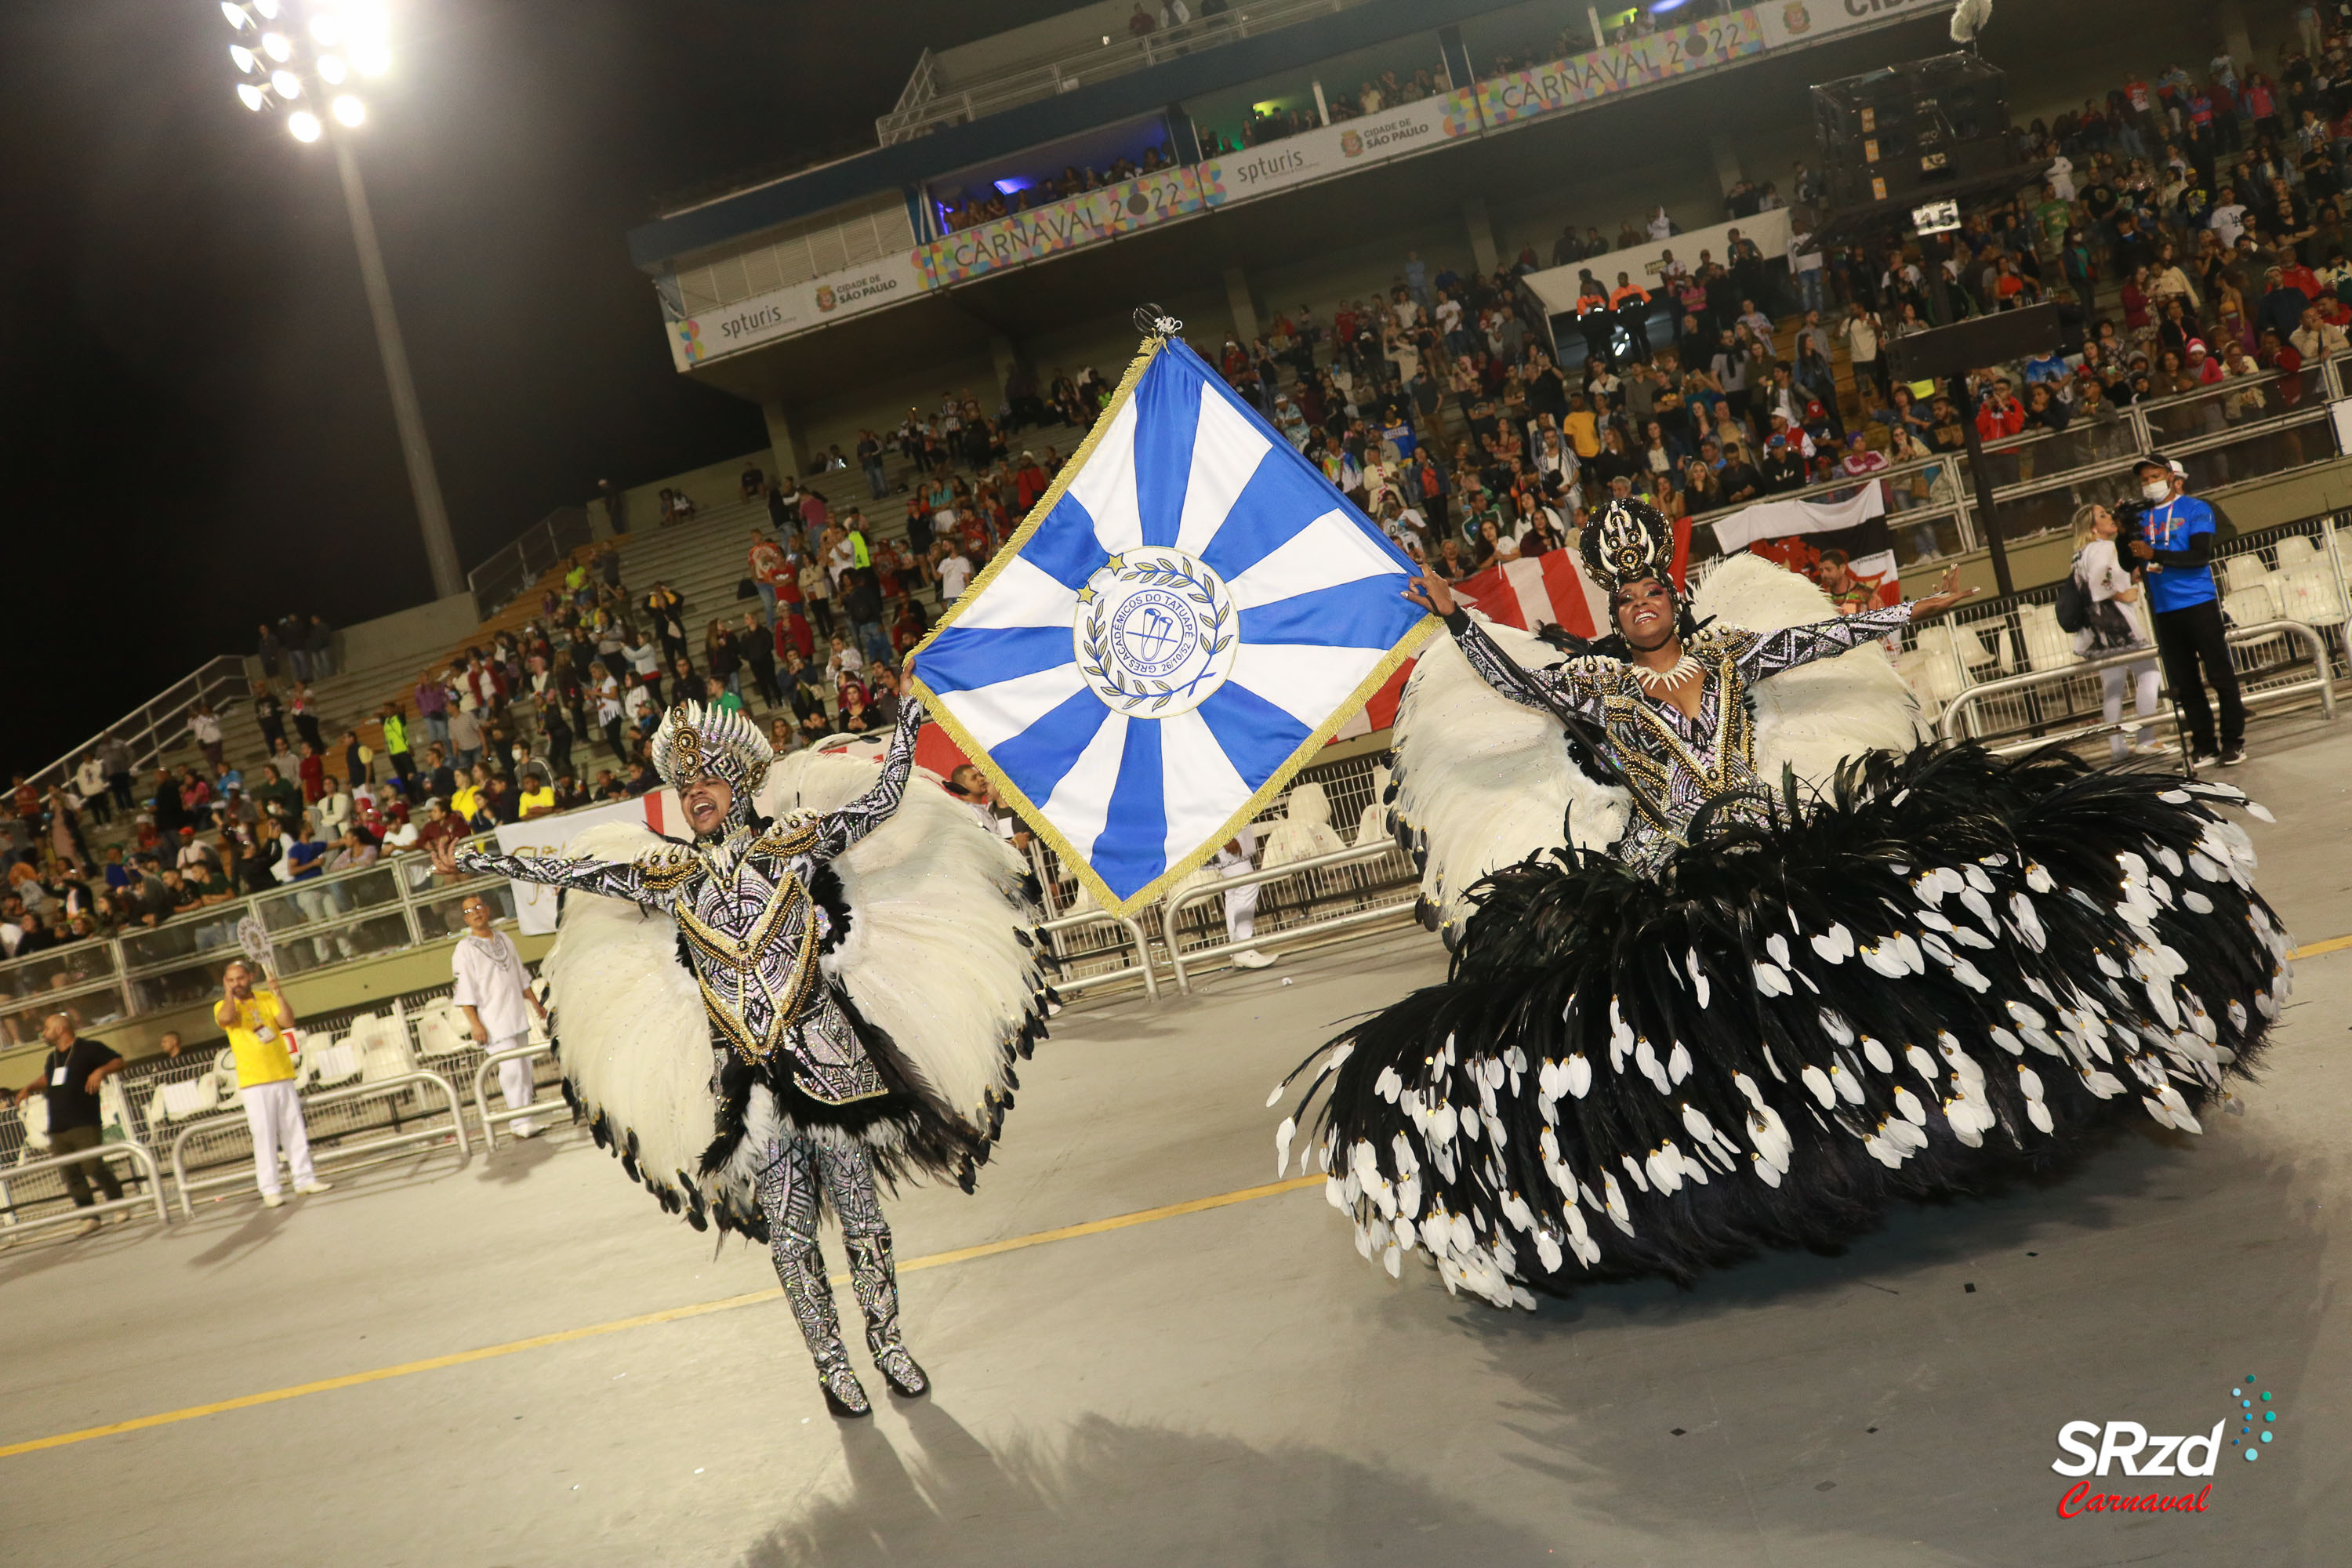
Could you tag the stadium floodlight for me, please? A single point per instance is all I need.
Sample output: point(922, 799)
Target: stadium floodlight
point(306, 60)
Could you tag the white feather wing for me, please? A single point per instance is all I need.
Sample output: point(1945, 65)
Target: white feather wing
point(1813, 718)
point(1482, 782)
point(935, 955)
point(635, 1042)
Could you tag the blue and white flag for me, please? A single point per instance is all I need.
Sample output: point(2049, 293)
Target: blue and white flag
point(1185, 618)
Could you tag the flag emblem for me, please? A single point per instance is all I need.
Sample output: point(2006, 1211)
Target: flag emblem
point(1186, 616)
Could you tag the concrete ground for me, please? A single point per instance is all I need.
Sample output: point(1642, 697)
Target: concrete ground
point(1229, 1384)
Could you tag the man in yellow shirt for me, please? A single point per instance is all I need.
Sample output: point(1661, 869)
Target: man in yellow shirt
point(538, 796)
point(255, 1021)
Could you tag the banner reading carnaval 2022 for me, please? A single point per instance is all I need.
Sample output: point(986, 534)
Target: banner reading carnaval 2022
point(1637, 62)
point(1084, 219)
point(1339, 149)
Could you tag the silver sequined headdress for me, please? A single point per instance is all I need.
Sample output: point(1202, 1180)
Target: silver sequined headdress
point(699, 741)
point(1629, 541)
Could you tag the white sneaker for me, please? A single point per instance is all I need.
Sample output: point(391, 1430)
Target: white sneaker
point(86, 1228)
point(314, 1187)
point(1250, 958)
point(273, 1200)
point(120, 1216)
point(525, 1127)
point(2152, 748)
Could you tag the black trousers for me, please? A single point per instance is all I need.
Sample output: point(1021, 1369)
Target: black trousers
point(2188, 638)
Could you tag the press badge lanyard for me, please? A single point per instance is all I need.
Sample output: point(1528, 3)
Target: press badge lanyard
point(248, 1014)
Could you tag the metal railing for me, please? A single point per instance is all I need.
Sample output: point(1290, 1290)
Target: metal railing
point(1965, 705)
point(342, 1154)
point(491, 1120)
point(2294, 573)
point(496, 581)
point(313, 924)
point(2230, 433)
point(1119, 53)
point(1069, 984)
point(1360, 890)
point(135, 1152)
point(158, 724)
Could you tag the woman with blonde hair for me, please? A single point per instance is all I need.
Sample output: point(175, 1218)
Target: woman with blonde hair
point(2114, 624)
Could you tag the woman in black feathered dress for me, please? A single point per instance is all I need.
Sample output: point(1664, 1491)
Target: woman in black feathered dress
point(1764, 1014)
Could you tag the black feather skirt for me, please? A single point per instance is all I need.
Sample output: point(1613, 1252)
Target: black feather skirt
point(1948, 970)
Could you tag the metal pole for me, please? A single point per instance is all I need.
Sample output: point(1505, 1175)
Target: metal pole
point(1987, 514)
point(432, 518)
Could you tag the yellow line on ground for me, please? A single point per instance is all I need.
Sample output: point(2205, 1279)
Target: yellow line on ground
point(646, 1320)
point(750, 1299)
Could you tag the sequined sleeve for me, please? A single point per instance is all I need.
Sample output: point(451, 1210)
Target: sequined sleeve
point(1549, 689)
point(837, 830)
point(652, 881)
point(1773, 652)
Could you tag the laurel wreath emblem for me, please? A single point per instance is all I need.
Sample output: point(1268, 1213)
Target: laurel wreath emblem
point(1142, 694)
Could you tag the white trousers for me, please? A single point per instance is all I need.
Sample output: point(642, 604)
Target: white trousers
point(1240, 906)
point(274, 1111)
point(2141, 676)
point(514, 1076)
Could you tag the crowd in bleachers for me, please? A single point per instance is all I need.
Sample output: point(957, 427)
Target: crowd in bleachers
point(994, 202)
point(1446, 408)
point(2191, 227)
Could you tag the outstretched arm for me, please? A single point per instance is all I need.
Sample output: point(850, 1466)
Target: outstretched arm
point(613, 879)
point(1773, 652)
point(1549, 689)
point(837, 830)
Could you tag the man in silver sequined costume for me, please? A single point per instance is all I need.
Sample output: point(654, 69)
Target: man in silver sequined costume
point(741, 893)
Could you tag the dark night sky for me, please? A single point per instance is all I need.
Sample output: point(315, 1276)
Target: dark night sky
point(195, 433)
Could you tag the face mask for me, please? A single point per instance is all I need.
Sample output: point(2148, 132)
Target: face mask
point(2156, 491)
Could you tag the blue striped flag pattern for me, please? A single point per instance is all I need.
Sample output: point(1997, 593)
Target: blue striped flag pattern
point(1186, 615)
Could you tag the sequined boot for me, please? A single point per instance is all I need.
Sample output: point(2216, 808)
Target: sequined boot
point(811, 1295)
point(876, 1280)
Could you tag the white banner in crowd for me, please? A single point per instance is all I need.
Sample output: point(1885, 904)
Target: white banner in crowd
point(730, 329)
point(1332, 149)
point(1780, 519)
point(1803, 21)
point(1556, 286)
point(534, 904)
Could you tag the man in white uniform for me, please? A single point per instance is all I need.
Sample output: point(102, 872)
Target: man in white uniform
point(1241, 903)
point(494, 990)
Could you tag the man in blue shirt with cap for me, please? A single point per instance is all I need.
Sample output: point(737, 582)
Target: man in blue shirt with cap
point(2175, 545)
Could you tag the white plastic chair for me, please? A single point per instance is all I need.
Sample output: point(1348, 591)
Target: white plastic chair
point(194, 1096)
point(2252, 606)
point(2048, 645)
point(2308, 595)
point(2240, 572)
point(228, 1092)
point(440, 1032)
point(337, 1064)
point(2295, 550)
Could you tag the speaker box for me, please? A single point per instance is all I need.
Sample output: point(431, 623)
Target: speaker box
point(1899, 135)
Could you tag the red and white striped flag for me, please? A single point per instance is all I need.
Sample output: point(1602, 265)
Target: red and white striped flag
point(1552, 588)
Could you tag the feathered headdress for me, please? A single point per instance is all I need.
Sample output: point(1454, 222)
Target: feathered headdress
point(696, 741)
point(1629, 541)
